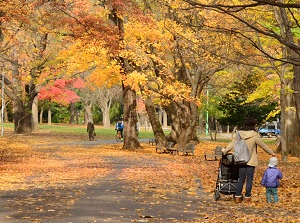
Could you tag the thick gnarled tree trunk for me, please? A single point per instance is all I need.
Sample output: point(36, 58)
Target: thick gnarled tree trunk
point(184, 117)
point(130, 119)
point(155, 123)
point(22, 109)
point(22, 119)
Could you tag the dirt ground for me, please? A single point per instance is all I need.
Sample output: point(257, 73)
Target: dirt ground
point(60, 179)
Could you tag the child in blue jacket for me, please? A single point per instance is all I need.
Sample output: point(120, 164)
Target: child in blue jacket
point(271, 180)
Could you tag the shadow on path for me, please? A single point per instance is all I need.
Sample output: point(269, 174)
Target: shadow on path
point(110, 199)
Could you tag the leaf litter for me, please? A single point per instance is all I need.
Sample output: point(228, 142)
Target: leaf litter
point(25, 166)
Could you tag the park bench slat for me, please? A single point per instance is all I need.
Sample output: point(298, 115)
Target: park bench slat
point(213, 156)
point(186, 149)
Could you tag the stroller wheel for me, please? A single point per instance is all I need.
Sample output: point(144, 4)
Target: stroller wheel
point(217, 195)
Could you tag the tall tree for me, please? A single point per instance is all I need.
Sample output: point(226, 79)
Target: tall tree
point(129, 93)
point(278, 21)
point(104, 99)
point(27, 33)
point(25, 62)
point(176, 56)
point(236, 108)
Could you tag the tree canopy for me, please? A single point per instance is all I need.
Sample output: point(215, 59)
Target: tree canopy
point(166, 52)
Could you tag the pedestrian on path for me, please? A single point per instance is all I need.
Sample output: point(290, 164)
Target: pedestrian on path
point(91, 130)
point(270, 180)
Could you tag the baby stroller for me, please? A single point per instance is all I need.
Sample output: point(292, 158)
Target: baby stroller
point(228, 174)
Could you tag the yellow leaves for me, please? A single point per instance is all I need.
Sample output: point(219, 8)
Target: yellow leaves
point(141, 39)
point(108, 75)
point(176, 90)
point(94, 60)
point(273, 114)
point(26, 79)
point(103, 13)
point(289, 75)
point(135, 80)
point(267, 88)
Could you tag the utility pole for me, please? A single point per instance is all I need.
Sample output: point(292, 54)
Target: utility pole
point(206, 126)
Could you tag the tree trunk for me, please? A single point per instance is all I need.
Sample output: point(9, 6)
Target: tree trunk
point(88, 113)
point(184, 118)
point(41, 114)
point(288, 114)
point(291, 131)
point(295, 57)
point(77, 117)
point(104, 98)
point(72, 113)
point(5, 115)
point(295, 150)
point(22, 120)
point(165, 118)
point(35, 114)
point(49, 115)
point(22, 97)
point(130, 119)
point(22, 116)
point(129, 95)
point(155, 122)
point(106, 118)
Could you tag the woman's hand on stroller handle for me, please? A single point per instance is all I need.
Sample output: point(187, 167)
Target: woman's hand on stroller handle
point(224, 150)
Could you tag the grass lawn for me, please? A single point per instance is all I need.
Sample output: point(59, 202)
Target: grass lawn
point(77, 130)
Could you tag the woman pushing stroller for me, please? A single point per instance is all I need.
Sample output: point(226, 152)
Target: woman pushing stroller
point(246, 172)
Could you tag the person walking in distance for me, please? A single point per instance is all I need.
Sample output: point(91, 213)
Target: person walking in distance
point(270, 180)
point(90, 129)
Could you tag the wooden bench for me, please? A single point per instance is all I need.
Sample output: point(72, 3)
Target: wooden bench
point(186, 149)
point(217, 154)
point(170, 148)
point(167, 148)
point(152, 141)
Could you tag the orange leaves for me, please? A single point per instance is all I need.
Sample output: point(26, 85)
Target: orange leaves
point(135, 80)
point(94, 60)
point(176, 91)
point(50, 171)
point(287, 210)
point(106, 74)
point(146, 175)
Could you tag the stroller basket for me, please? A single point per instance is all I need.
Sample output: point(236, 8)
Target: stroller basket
point(226, 187)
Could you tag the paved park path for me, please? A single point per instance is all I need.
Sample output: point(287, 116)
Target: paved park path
point(111, 199)
point(108, 200)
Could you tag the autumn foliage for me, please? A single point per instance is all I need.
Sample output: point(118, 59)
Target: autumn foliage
point(62, 91)
point(150, 174)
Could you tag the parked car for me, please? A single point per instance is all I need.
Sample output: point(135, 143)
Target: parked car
point(268, 132)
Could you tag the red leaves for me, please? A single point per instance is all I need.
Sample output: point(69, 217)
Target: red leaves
point(78, 83)
point(62, 91)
